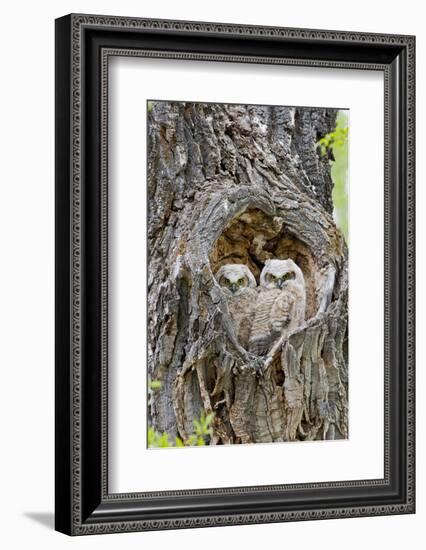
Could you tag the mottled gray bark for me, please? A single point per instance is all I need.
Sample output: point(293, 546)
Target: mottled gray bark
point(241, 184)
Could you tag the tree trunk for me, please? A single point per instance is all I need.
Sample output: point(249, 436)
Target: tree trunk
point(242, 184)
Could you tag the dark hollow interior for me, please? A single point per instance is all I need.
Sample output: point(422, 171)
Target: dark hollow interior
point(253, 237)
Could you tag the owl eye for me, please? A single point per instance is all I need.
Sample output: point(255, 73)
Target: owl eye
point(240, 281)
point(225, 282)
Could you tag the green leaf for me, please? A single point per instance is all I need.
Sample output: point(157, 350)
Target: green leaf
point(164, 440)
point(192, 440)
point(151, 437)
point(337, 142)
point(202, 429)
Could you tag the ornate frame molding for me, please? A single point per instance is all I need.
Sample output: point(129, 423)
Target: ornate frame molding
point(86, 507)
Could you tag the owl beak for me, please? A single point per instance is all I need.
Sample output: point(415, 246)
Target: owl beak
point(233, 287)
point(280, 283)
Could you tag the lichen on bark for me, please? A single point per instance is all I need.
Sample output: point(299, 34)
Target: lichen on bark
point(243, 184)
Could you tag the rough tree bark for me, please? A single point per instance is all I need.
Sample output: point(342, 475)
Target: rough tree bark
point(241, 184)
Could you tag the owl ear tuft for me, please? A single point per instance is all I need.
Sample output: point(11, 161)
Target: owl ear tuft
point(250, 277)
point(219, 274)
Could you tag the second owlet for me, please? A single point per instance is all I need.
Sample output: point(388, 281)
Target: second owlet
point(280, 306)
point(238, 284)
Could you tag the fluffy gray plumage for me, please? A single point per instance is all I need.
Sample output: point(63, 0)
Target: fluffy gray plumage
point(280, 306)
point(239, 286)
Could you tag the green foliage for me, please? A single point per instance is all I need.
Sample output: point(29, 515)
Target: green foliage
point(157, 439)
point(203, 426)
point(202, 429)
point(334, 140)
point(155, 384)
point(337, 143)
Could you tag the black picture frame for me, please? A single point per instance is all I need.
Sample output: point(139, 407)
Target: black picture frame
point(83, 504)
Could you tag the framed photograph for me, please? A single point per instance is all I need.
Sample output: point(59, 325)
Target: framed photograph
point(234, 274)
